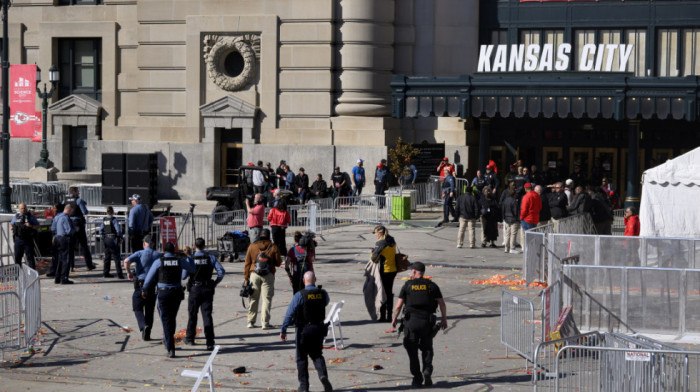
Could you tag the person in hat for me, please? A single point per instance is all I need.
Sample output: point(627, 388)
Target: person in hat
point(138, 265)
point(445, 164)
point(569, 190)
point(140, 221)
point(381, 182)
point(409, 173)
point(422, 298)
point(358, 178)
point(530, 208)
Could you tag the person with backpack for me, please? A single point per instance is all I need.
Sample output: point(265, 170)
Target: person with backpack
point(300, 259)
point(111, 234)
point(259, 270)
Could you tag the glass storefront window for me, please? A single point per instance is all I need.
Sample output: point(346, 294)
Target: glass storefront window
point(667, 52)
point(691, 52)
point(638, 39)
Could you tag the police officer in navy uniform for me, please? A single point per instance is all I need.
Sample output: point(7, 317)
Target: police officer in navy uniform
point(143, 307)
point(308, 306)
point(170, 271)
point(78, 218)
point(24, 226)
point(64, 229)
point(422, 297)
point(201, 288)
point(111, 234)
point(140, 221)
point(55, 261)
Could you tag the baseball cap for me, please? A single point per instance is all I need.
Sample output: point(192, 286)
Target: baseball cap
point(569, 181)
point(418, 266)
point(445, 159)
point(528, 185)
point(337, 168)
point(301, 169)
point(407, 160)
point(136, 197)
point(360, 160)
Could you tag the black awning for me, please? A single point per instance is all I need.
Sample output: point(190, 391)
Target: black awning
point(609, 96)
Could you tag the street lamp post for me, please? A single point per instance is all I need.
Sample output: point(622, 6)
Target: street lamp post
point(6, 191)
point(44, 160)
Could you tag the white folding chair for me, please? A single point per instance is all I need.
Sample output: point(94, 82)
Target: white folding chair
point(206, 372)
point(333, 319)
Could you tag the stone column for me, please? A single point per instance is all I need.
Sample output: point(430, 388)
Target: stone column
point(632, 196)
point(366, 57)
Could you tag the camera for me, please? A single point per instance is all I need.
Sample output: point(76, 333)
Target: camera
point(247, 290)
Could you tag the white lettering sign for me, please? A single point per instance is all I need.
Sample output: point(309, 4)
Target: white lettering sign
point(547, 58)
point(636, 356)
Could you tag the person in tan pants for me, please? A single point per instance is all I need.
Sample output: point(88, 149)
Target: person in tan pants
point(468, 212)
point(263, 280)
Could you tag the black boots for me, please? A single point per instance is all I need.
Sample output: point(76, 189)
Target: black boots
point(386, 309)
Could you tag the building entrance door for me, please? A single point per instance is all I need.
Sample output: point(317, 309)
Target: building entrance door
point(232, 157)
point(583, 157)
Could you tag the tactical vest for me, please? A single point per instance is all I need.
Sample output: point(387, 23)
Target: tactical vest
point(418, 298)
point(73, 202)
point(203, 270)
point(109, 228)
point(20, 230)
point(313, 309)
point(170, 271)
point(480, 183)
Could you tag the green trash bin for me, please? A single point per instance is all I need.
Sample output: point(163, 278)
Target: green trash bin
point(400, 207)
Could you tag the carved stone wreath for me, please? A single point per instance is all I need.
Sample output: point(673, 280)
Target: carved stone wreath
point(216, 49)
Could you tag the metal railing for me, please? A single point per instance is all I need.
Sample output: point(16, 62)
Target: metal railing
point(90, 193)
point(38, 193)
point(618, 226)
point(20, 306)
point(544, 363)
point(518, 324)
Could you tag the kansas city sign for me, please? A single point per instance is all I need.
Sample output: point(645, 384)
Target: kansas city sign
point(541, 58)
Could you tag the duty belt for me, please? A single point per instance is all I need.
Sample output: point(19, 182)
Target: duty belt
point(204, 283)
point(169, 288)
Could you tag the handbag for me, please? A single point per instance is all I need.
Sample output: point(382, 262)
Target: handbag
point(402, 263)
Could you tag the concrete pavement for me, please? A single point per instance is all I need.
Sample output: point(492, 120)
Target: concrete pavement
point(83, 346)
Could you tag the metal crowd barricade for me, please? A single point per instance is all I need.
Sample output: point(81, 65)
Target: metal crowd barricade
point(95, 242)
point(618, 226)
point(544, 358)
point(37, 193)
point(232, 221)
point(20, 306)
point(201, 225)
point(518, 324)
point(91, 193)
point(7, 245)
point(587, 368)
point(373, 209)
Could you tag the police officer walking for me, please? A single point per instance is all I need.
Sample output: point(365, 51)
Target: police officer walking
point(308, 306)
point(140, 221)
point(201, 288)
point(64, 229)
point(143, 307)
point(422, 297)
point(23, 226)
point(170, 271)
point(112, 236)
point(79, 209)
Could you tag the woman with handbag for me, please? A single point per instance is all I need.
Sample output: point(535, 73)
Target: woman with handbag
point(384, 253)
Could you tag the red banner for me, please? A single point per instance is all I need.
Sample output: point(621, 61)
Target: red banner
point(37, 128)
point(22, 100)
point(168, 232)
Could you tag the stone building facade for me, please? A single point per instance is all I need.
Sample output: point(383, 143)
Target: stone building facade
point(211, 84)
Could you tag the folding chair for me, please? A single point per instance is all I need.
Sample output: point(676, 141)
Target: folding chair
point(206, 372)
point(333, 319)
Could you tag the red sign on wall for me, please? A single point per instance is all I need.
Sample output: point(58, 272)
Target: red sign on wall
point(168, 232)
point(22, 100)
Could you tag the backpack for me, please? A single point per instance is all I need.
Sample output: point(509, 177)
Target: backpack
point(380, 175)
point(262, 264)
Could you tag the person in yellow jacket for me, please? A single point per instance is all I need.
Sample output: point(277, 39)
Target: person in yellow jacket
point(384, 252)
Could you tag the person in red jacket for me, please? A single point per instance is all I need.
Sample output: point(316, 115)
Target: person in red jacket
point(530, 208)
point(631, 222)
point(279, 219)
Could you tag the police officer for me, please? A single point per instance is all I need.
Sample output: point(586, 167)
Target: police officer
point(143, 307)
point(422, 297)
point(64, 229)
point(55, 261)
point(201, 288)
point(111, 234)
point(140, 221)
point(170, 271)
point(308, 306)
point(23, 226)
point(78, 218)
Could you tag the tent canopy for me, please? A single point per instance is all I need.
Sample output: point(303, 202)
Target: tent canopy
point(671, 198)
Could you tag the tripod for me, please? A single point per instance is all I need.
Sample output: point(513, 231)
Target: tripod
point(188, 217)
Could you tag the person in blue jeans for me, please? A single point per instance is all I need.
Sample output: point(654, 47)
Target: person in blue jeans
point(358, 178)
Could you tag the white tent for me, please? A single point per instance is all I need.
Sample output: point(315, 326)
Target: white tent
point(671, 198)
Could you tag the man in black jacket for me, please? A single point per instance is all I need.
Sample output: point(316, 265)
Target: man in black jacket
point(581, 202)
point(545, 212)
point(557, 202)
point(301, 185)
point(510, 210)
point(601, 211)
point(319, 188)
point(468, 213)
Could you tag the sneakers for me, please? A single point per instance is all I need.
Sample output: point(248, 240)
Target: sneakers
point(251, 325)
point(170, 354)
point(506, 250)
point(459, 245)
point(327, 387)
point(515, 251)
point(266, 327)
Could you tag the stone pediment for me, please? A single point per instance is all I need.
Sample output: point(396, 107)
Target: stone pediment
point(228, 106)
point(76, 105)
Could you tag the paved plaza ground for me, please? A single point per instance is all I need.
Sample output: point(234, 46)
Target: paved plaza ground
point(84, 347)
